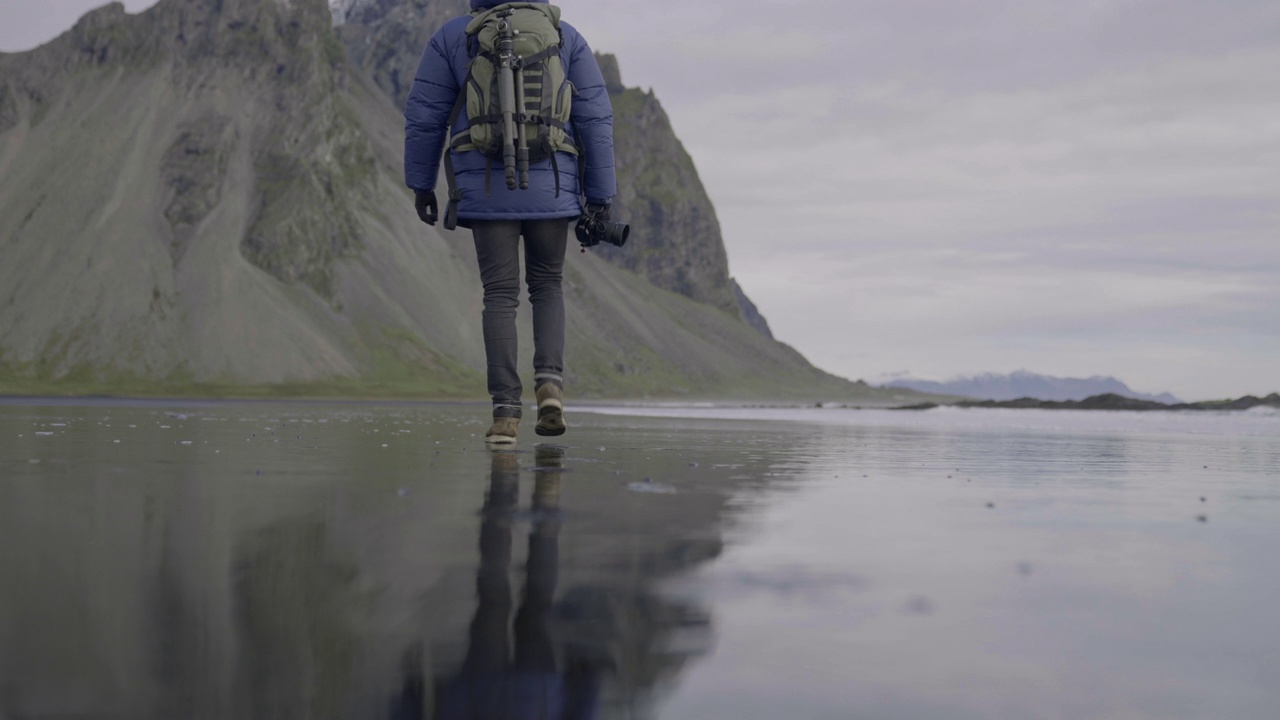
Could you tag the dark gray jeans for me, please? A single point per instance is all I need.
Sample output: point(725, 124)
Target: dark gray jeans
point(498, 251)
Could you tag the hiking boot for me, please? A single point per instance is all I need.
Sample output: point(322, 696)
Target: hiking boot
point(503, 431)
point(550, 410)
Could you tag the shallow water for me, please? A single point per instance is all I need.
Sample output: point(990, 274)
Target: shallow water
point(329, 560)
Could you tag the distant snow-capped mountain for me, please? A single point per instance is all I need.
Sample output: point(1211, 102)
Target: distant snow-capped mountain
point(1020, 384)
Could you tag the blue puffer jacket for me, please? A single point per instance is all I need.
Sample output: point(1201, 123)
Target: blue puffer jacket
point(441, 74)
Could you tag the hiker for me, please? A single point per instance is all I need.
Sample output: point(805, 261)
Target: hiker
point(556, 167)
point(543, 675)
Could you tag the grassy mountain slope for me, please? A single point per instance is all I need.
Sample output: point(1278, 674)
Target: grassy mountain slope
point(206, 198)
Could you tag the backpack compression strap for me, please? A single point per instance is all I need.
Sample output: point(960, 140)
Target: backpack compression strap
point(450, 176)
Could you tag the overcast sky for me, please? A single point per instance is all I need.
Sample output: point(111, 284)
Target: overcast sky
point(942, 187)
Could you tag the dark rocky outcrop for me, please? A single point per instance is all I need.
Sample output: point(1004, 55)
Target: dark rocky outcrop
point(612, 72)
point(675, 239)
point(1248, 402)
point(195, 169)
point(8, 108)
point(385, 38)
point(750, 313)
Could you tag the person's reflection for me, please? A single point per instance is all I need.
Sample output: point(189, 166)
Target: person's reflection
point(494, 684)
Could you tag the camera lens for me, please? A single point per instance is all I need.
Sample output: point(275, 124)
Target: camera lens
point(617, 234)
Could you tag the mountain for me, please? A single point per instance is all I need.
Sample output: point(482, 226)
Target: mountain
point(1024, 384)
point(206, 198)
point(385, 38)
point(1111, 401)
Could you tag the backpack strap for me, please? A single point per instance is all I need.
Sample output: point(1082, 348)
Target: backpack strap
point(582, 165)
point(538, 57)
point(450, 175)
point(555, 170)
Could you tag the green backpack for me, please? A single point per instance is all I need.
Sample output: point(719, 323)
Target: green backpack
point(542, 92)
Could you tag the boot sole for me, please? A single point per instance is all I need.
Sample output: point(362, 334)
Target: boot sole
point(500, 440)
point(550, 422)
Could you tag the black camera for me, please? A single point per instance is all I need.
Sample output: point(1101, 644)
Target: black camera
point(594, 228)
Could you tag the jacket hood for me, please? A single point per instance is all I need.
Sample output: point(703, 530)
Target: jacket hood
point(486, 4)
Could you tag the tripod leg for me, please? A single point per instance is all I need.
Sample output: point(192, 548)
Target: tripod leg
point(522, 140)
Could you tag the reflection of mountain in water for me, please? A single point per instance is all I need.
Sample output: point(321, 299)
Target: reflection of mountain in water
point(170, 587)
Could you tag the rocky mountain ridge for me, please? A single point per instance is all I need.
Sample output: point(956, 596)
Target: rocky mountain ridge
point(206, 198)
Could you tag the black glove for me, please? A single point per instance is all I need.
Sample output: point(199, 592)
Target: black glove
point(592, 214)
point(599, 211)
point(424, 201)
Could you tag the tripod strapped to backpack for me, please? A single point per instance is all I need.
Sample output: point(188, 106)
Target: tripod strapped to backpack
point(517, 96)
point(515, 147)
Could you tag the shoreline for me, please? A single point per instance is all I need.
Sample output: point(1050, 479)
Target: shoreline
point(1103, 403)
point(1113, 402)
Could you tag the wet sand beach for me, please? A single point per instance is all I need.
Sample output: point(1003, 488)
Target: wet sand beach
point(187, 559)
